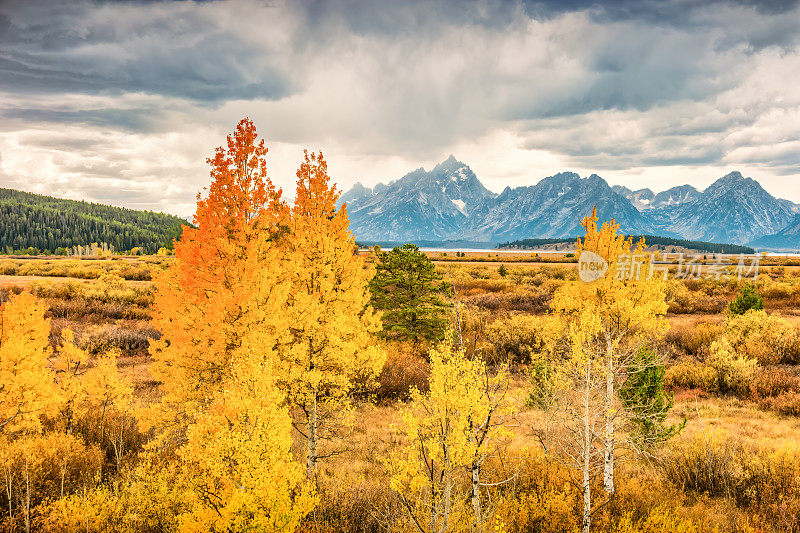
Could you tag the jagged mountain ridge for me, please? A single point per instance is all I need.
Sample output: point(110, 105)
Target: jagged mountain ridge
point(733, 209)
point(549, 209)
point(420, 205)
point(645, 199)
point(641, 199)
point(450, 203)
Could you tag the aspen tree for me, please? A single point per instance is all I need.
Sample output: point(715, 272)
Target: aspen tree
point(630, 305)
point(449, 432)
point(224, 311)
point(70, 366)
point(330, 349)
point(606, 323)
point(111, 395)
point(243, 476)
point(27, 385)
point(199, 299)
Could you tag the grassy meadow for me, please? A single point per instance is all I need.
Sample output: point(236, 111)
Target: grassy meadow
point(735, 465)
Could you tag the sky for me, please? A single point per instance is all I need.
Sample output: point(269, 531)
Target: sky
point(122, 102)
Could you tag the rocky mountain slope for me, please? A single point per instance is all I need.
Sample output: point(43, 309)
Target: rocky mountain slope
point(786, 239)
point(421, 205)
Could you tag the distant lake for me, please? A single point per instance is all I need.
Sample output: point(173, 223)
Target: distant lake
point(455, 246)
point(481, 247)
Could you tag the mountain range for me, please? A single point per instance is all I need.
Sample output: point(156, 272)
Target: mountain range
point(449, 202)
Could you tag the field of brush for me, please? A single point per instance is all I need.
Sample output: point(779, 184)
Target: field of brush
point(735, 466)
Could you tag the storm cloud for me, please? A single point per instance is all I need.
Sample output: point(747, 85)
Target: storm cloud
point(647, 93)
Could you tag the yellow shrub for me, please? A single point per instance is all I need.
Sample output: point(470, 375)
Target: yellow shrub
point(695, 338)
point(735, 371)
point(778, 290)
point(756, 335)
point(689, 375)
point(679, 297)
point(89, 510)
point(516, 338)
point(660, 519)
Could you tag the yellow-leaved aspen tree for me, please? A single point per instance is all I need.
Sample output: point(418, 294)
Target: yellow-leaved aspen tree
point(242, 474)
point(582, 372)
point(28, 391)
point(70, 366)
point(110, 395)
point(449, 431)
point(27, 384)
point(610, 317)
point(331, 347)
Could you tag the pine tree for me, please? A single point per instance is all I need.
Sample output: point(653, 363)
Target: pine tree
point(409, 291)
point(645, 400)
point(747, 299)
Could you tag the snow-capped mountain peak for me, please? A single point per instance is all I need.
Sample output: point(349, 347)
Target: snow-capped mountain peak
point(450, 202)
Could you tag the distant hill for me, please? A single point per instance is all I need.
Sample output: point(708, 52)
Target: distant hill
point(47, 223)
point(650, 240)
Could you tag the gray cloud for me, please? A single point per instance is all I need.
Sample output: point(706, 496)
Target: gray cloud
point(600, 85)
point(172, 50)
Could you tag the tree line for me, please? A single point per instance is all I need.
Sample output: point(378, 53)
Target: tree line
point(47, 225)
point(651, 240)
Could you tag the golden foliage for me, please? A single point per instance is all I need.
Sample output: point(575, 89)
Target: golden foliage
point(448, 431)
point(27, 388)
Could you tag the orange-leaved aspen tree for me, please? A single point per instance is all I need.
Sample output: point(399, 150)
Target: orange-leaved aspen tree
point(330, 349)
point(450, 431)
point(200, 298)
point(223, 312)
point(27, 384)
point(608, 317)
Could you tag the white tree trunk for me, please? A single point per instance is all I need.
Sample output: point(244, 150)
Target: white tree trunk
point(608, 453)
point(587, 453)
point(447, 493)
point(476, 497)
point(587, 464)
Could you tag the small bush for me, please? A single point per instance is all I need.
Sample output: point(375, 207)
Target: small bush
point(747, 300)
point(757, 478)
point(100, 339)
point(769, 339)
point(688, 375)
point(787, 403)
point(771, 382)
point(694, 339)
point(516, 338)
point(735, 372)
